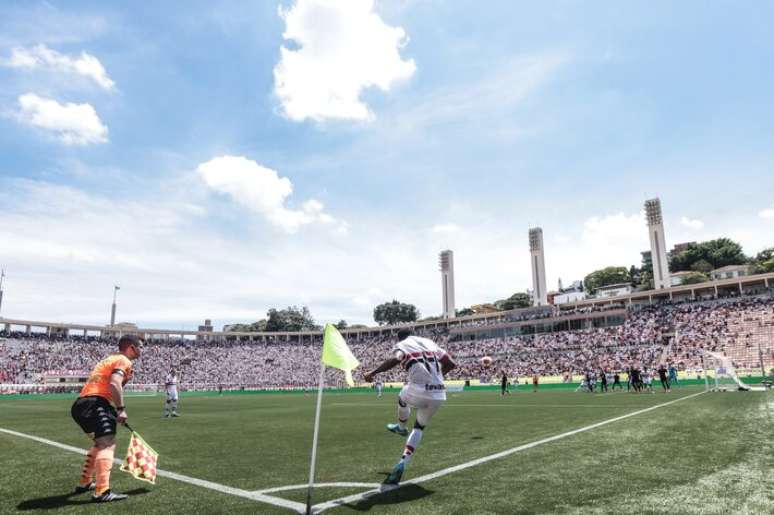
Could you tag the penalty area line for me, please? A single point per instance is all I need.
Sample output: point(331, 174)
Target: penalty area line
point(203, 483)
point(450, 470)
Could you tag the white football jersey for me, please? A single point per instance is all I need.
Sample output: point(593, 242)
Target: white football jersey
point(170, 380)
point(421, 358)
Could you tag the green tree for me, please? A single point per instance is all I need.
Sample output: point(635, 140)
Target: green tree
point(605, 277)
point(255, 327)
point(341, 325)
point(464, 312)
point(718, 253)
point(290, 319)
point(702, 266)
point(394, 312)
point(515, 301)
point(695, 278)
point(764, 267)
point(765, 254)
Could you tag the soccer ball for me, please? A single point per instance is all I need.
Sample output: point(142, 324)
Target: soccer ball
point(486, 361)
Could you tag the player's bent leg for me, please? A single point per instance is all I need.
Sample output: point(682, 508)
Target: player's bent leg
point(404, 411)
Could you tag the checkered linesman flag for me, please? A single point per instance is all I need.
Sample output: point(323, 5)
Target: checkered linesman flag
point(140, 460)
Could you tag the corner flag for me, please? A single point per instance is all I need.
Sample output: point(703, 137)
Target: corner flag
point(336, 354)
point(140, 459)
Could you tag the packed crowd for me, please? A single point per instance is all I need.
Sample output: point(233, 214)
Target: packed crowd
point(646, 339)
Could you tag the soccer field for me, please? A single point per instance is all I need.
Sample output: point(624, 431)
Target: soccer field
point(692, 452)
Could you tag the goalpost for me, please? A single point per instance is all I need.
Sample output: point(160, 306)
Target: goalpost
point(724, 374)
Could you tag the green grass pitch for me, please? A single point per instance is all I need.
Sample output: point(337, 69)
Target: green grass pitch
point(713, 453)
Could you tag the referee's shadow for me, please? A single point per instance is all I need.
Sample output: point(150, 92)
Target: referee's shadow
point(60, 501)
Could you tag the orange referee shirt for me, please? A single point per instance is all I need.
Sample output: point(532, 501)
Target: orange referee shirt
point(99, 380)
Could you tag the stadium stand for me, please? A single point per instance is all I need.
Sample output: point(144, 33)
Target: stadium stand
point(676, 332)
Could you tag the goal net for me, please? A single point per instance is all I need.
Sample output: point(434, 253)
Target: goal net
point(721, 374)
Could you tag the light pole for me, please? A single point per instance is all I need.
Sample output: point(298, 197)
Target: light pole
point(2, 276)
point(113, 307)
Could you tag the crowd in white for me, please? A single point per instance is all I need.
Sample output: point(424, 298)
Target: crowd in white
point(645, 339)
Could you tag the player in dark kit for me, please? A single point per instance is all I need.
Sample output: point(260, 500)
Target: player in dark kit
point(635, 379)
point(662, 375)
point(603, 381)
point(617, 381)
point(504, 384)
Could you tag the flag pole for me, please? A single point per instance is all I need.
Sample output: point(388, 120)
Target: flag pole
point(314, 441)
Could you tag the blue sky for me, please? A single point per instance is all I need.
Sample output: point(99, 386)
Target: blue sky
point(177, 151)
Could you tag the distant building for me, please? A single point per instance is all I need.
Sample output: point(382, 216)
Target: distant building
point(614, 290)
point(569, 296)
point(730, 272)
point(207, 327)
point(680, 247)
point(678, 277)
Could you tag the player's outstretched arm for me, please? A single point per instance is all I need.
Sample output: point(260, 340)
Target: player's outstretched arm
point(447, 364)
point(388, 364)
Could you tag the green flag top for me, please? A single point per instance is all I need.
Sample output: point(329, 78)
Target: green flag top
point(336, 353)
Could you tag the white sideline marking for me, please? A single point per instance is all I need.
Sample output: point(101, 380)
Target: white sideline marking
point(512, 406)
point(316, 485)
point(427, 477)
point(254, 496)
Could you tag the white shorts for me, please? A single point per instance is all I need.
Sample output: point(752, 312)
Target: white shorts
point(426, 404)
point(172, 393)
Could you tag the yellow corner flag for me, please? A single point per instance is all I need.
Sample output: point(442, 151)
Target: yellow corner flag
point(336, 354)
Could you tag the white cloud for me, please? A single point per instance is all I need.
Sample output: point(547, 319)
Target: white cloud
point(691, 224)
point(445, 228)
point(262, 190)
point(344, 48)
point(75, 124)
point(41, 56)
point(767, 213)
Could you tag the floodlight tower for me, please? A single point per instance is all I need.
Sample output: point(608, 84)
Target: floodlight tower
point(113, 306)
point(446, 264)
point(537, 258)
point(2, 276)
point(661, 277)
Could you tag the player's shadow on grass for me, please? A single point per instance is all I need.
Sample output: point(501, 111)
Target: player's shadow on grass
point(59, 501)
point(397, 496)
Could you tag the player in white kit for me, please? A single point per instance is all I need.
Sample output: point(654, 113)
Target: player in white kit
point(170, 384)
point(425, 364)
point(378, 385)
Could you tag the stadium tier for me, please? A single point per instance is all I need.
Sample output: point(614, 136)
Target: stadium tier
point(677, 333)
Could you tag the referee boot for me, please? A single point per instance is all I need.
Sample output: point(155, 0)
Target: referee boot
point(108, 496)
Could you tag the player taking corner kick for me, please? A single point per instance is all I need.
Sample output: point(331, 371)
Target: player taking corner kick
point(98, 409)
point(425, 364)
